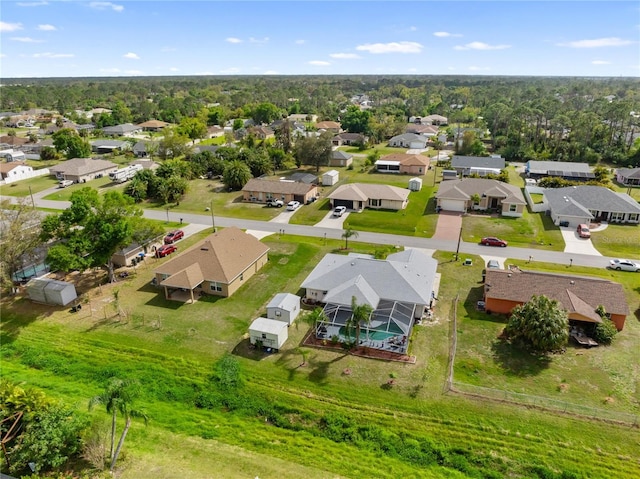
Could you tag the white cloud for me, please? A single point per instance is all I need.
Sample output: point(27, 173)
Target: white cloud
point(597, 43)
point(173, 69)
point(230, 70)
point(47, 28)
point(32, 4)
point(53, 55)
point(205, 73)
point(392, 47)
point(344, 56)
point(10, 27)
point(270, 72)
point(233, 40)
point(412, 70)
point(131, 56)
point(26, 40)
point(319, 63)
point(300, 42)
point(260, 41)
point(474, 68)
point(413, 29)
point(106, 6)
point(134, 72)
point(3, 55)
point(600, 62)
point(480, 46)
point(109, 70)
point(446, 34)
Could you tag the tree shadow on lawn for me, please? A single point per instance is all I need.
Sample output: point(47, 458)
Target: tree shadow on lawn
point(320, 369)
point(516, 361)
point(19, 312)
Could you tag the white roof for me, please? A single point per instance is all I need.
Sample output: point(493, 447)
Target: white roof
point(286, 301)
point(266, 325)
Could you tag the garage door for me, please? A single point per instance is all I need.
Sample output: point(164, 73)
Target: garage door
point(347, 203)
point(452, 205)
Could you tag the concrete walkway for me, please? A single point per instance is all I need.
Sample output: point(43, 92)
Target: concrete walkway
point(574, 244)
point(330, 221)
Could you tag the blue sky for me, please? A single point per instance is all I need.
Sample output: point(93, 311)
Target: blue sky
point(158, 38)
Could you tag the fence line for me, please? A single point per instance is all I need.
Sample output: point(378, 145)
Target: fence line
point(527, 400)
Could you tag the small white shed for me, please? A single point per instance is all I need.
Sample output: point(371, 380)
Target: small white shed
point(51, 291)
point(284, 307)
point(415, 184)
point(330, 178)
point(270, 332)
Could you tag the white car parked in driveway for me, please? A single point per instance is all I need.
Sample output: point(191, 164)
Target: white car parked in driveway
point(624, 265)
point(339, 210)
point(293, 205)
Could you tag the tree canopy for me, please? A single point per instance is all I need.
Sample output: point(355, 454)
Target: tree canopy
point(314, 151)
point(69, 143)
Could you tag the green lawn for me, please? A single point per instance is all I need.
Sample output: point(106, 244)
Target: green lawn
point(618, 241)
point(382, 148)
point(310, 420)
point(21, 188)
point(536, 197)
point(532, 230)
point(218, 140)
point(515, 178)
point(586, 377)
point(100, 184)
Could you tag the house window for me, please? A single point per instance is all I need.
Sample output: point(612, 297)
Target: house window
point(375, 202)
point(241, 276)
point(264, 336)
point(513, 208)
point(634, 216)
point(617, 217)
point(215, 286)
point(278, 313)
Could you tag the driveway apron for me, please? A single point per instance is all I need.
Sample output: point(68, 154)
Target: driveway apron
point(449, 225)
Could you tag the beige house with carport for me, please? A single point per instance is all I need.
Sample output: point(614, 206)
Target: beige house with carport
point(81, 170)
point(458, 195)
point(357, 196)
point(219, 265)
point(403, 163)
point(260, 190)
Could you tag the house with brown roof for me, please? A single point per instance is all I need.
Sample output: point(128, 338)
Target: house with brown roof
point(460, 195)
point(14, 141)
point(348, 139)
point(215, 131)
point(579, 296)
point(403, 163)
point(424, 130)
point(258, 190)
point(81, 170)
point(261, 132)
point(332, 126)
point(218, 265)
point(357, 196)
point(154, 125)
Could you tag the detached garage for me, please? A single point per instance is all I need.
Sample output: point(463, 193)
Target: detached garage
point(270, 333)
point(51, 291)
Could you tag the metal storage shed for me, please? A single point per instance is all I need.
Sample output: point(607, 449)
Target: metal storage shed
point(415, 184)
point(51, 291)
point(284, 307)
point(330, 178)
point(271, 333)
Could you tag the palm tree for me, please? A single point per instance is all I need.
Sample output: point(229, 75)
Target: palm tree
point(360, 313)
point(117, 398)
point(348, 233)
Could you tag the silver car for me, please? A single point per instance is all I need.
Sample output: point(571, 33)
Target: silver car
point(624, 265)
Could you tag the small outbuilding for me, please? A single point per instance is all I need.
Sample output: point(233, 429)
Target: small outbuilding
point(51, 291)
point(449, 175)
point(270, 333)
point(330, 178)
point(415, 184)
point(284, 307)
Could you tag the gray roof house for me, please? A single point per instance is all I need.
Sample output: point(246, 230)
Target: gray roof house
point(121, 130)
point(340, 158)
point(481, 165)
point(628, 176)
point(408, 140)
point(563, 169)
point(81, 170)
point(399, 289)
point(108, 146)
point(582, 204)
point(457, 195)
point(307, 178)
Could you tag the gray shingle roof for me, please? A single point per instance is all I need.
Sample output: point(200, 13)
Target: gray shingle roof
point(340, 155)
point(543, 167)
point(278, 187)
point(468, 187)
point(589, 197)
point(364, 191)
point(82, 166)
point(629, 172)
point(477, 161)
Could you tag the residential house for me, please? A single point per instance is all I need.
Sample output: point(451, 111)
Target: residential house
point(357, 196)
point(332, 126)
point(403, 163)
point(259, 190)
point(12, 155)
point(459, 195)
point(628, 176)
point(340, 158)
point(141, 148)
point(146, 164)
point(13, 141)
point(129, 255)
point(215, 131)
point(126, 129)
point(15, 171)
point(429, 120)
point(480, 165)
point(574, 205)
point(81, 170)
point(102, 147)
point(562, 169)
point(424, 130)
point(303, 117)
point(408, 140)
point(284, 307)
point(398, 289)
point(261, 132)
point(349, 139)
point(579, 296)
point(308, 178)
point(154, 125)
point(218, 265)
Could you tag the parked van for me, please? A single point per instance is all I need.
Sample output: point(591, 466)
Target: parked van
point(583, 231)
point(65, 183)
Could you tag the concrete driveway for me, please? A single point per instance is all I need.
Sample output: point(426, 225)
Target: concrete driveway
point(574, 244)
point(284, 217)
point(449, 225)
point(330, 221)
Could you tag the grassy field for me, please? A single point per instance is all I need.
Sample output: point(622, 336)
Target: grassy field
point(21, 188)
point(100, 184)
point(532, 230)
point(618, 241)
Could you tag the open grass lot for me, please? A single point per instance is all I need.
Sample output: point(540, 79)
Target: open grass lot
point(21, 188)
point(515, 178)
point(532, 230)
point(381, 147)
point(620, 241)
point(100, 184)
point(288, 419)
point(606, 377)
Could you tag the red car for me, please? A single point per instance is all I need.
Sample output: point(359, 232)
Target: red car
point(173, 236)
point(491, 241)
point(165, 250)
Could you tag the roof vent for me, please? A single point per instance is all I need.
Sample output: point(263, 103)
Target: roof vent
point(353, 263)
point(204, 249)
point(509, 275)
point(572, 282)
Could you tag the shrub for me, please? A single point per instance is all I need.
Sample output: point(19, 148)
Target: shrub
point(605, 331)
